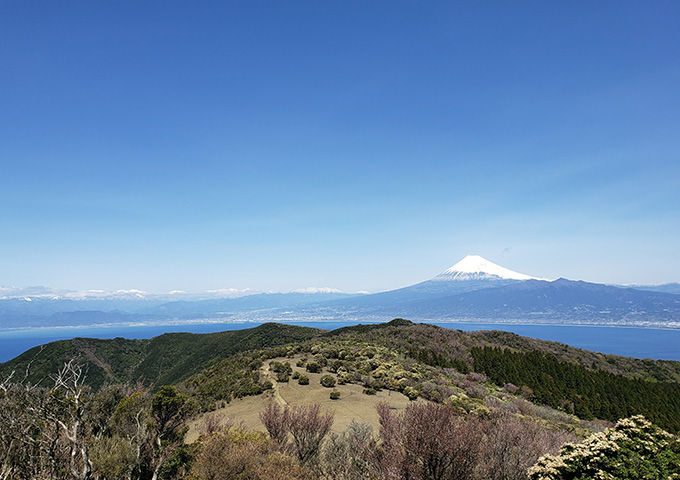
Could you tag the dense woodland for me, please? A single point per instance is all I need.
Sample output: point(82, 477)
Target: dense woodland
point(586, 393)
point(490, 404)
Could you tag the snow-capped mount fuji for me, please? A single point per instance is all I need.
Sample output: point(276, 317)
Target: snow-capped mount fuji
point(471, 273)
point(474, 267)
point(477, 290)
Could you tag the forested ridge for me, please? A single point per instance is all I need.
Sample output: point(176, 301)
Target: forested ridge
point(166, 359)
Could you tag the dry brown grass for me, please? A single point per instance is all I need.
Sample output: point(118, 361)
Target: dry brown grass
point(352, 405)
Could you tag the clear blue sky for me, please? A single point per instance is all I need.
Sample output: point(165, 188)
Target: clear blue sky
point(358, 145)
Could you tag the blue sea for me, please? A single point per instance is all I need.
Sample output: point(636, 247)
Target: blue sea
point(630, 342)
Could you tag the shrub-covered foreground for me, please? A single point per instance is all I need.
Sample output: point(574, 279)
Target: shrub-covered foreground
point(67, 432)
point(633, 449)
point(461, 426)
point(427, 441)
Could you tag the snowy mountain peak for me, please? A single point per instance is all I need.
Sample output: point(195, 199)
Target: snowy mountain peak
point(474, 267)
point(314, 290)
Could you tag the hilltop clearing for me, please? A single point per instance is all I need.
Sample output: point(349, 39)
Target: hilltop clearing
point(351, 405)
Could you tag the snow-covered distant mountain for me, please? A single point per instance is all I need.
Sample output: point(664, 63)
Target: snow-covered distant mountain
point(29, 293)
point(478, 290)
point(314, 290)
point(41, 306)
point(474, 267)
point(471, 273)
point(474, 289)
point(45, 293)
point(560, 301)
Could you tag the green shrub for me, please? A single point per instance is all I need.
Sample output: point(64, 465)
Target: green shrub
point(335, 395)
point(283, 370)
point(296, 375)
point(276, 366)
point(370, 391)
point(313, 367)
point(411, 393)
point(328, 381)
point(321, 359)
point(335, 365)
point(303, 380)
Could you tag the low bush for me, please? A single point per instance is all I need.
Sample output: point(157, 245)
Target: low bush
point(411, 393)
point(313, 367)
point(328, 381)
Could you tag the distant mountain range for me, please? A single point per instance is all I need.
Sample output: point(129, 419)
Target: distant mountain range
point(665, 288)
point(474, 290)
point(477, 290)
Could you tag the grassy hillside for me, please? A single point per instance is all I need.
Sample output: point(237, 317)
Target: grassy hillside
point(416, 360)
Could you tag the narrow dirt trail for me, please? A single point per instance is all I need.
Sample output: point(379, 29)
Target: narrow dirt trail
point(272, 378)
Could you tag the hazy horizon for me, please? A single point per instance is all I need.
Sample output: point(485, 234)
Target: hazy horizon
point(357, 146)
point(6, 291)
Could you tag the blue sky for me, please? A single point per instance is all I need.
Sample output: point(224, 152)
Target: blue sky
point(356, 145)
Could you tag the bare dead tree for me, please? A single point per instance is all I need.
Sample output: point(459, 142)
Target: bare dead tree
point(212, 423)
point(308, 427)
point(69, 393)
point(275, 420)
point(514, 444)
point(351, 455)
point(428, 441)
point(392, 454)
point(60, 432)
point(6, 383)
point(131, 421)
point(304, 424)
point(41, 430)
point(433, 443)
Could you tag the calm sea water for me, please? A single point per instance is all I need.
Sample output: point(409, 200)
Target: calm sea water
point(631, 342)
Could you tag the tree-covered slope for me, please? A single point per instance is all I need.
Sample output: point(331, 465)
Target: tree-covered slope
point(166, 359)
point(173, 357)
point(586, 393)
